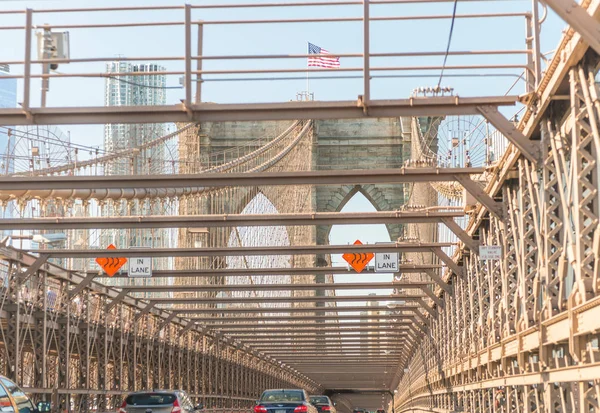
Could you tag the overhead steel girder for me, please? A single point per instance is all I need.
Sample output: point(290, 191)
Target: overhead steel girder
point(241, 251)
point(301, 327)
point(236, 320)
point(336, 337)
point(213, 112)
point(530, 149)
point(579, 19)
point(225, 220)
point(272, 300)
point(316, 343)
point(238, 334)
point(238, 179)
point(323, 338)
point(263, 310)
point(389, 335)
point(244, 272)
point(274, 287)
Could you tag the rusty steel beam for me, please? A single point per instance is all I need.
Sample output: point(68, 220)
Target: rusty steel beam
point(225, 220)
point(212, 112)
point(241, 251)
point(22, 184)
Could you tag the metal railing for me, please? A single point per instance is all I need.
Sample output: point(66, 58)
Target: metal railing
point(30, 69)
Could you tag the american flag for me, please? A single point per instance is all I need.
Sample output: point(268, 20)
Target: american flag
point(321, 61)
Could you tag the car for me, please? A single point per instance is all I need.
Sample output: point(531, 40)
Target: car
point(380, 411)
point(14, 400)
point(158, 401)
point(284, 401)
point(357, 410)
point(323, 404)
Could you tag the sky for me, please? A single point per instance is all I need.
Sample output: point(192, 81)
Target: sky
point(504, 33)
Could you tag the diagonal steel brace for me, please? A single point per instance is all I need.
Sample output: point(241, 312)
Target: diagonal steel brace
point(530, 149)
point(37, 264)
point(579, 19)
point(481, 196)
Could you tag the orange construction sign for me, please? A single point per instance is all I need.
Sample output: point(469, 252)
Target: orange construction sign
point(358, 260)
point(111, 265)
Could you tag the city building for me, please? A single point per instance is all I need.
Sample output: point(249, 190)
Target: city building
point(126, 87)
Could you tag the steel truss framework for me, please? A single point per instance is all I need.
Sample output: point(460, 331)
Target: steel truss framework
point(520, 334)
point(515, 335)
point(83, 353)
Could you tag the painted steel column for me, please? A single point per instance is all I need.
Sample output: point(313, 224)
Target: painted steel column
point(366, 54)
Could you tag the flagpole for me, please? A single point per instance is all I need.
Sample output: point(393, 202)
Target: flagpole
point(307, 77)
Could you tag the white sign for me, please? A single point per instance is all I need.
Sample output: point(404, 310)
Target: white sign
point(140, 267)
point(386, 262)
point(490, 252)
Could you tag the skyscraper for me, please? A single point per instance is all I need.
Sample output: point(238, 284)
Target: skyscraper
point(129, 90)
point(124, 89)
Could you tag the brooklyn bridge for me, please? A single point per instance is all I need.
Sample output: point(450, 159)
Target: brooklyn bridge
point(200, 250)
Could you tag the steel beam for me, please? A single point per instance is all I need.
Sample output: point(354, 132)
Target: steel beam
point(34, 267)
point(144, 311)
point(237, 179)
point(472, 187)
point(371, 339)
point(274, 287)
point(212, 112)
point(341, 327)
point(116, 300)
point(530, 149)
point(83, 284)
point(457, 269)
point(244, 272)
point(265, 310)
point(225, 220)
point(579, 19)
point(314, 299)
point(347, 328)
point(462, 235)
point(236, 320)
point(241, 251)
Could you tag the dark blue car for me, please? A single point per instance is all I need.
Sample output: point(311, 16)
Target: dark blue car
point(284, 401)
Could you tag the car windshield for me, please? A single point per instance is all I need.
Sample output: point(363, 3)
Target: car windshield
point(150, 399)
point(319, 399)
point(282, 396)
